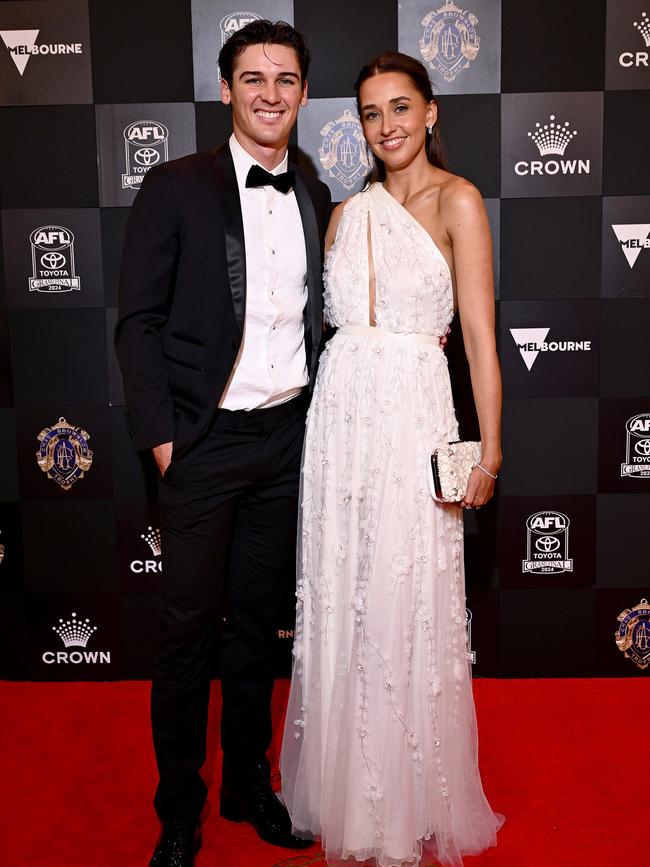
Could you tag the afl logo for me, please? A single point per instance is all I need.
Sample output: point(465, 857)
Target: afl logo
point(343, 152)
point(449, 43)
point(637, 447)
point(547, 543)
point(233, 22)
point(52, 260)
point(145, 145)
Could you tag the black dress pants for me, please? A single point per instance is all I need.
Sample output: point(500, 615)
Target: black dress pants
point(228, 524)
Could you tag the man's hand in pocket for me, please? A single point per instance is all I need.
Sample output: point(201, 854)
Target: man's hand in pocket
point(163, 456)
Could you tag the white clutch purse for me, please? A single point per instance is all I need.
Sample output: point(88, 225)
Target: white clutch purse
point(449, 469)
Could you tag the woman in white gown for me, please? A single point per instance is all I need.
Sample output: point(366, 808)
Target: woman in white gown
point(380, 750)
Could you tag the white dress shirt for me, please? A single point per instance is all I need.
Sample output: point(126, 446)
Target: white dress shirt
point(271, 366)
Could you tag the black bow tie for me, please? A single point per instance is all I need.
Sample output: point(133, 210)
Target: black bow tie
point(259, 177)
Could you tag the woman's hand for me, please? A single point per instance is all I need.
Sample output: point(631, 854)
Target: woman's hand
point(480, 486)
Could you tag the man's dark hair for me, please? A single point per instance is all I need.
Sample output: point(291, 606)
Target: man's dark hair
point(266, 33)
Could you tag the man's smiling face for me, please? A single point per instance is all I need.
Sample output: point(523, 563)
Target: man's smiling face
point(266, 94)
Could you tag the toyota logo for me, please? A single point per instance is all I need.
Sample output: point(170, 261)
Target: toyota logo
point(642, 448)
point(52, 260)
point(548, 543)
point(146, 156)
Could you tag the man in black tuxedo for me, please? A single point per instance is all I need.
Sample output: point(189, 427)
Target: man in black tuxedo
point(218, 337)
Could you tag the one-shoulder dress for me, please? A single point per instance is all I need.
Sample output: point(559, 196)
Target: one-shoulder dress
point(379, 756)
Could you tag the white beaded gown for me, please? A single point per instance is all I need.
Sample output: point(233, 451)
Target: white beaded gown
point(379, 756)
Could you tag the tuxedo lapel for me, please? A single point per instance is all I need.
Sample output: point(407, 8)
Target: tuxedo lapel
point(314, 265)
point(228, 199)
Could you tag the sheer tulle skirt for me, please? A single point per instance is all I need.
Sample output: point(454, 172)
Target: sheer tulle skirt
point(380, 748)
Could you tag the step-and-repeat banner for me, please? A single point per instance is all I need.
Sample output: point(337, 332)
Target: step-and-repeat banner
point(545, 106)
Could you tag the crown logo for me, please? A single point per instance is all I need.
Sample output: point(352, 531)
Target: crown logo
point(643, 26)
point(552, 138)
point(74, 633)
point(152, 538)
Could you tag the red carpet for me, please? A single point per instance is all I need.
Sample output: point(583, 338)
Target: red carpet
point(565, 760)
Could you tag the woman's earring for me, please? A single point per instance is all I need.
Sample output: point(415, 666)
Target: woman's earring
point(430, 128)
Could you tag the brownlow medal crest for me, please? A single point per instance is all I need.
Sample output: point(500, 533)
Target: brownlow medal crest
point(633, 634)
point(64, 454)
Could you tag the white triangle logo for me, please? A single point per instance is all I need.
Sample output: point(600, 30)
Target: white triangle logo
point(529, 342)
point(15, 39)
point(627, 232)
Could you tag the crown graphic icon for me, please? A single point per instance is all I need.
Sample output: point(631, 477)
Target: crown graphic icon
point(552, 138)
point(152, 538)
point(74, 633)
point(643, 26)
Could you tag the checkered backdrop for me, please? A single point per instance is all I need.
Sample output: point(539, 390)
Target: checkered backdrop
point(543, 105)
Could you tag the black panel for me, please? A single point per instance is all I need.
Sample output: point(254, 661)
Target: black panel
point(115, 386)
point(113, 225)
point(470, 126)
point(14, 637)
point(625, 350)
point(550, 248)
point(140, 618)
point(622, 528)
point(553, 45)
point(9, 474)
point(547, 633)
point(48, 158)
point(213, 124)
point(626, 136)
point(549, 446)
point(155, 60)
point(70, 547)
point(59, 355)
point(6, 383)
point(11, 549)
point(357, 39)
point(481, 548)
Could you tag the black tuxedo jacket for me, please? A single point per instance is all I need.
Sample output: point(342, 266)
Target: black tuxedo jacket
point(183, 293)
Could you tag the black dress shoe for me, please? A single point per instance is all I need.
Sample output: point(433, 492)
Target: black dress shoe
point(259, 806)
point(178, 844)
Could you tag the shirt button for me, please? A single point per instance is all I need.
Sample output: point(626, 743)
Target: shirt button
point(270, 211)
point(273, 251)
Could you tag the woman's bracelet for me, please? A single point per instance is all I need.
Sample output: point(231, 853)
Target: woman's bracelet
point(487, 472)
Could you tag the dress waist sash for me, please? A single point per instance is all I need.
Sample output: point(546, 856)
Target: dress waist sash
point(383, 334)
